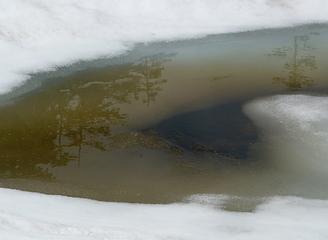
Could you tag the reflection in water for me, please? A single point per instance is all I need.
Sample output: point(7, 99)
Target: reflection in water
point(163, 127)
point(148, 73)
point(52, 126)
point(299, 65)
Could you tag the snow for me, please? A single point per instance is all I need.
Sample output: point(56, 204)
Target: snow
point(295, 131)
point(36, 216)
point(289, 120)
point(40, 35)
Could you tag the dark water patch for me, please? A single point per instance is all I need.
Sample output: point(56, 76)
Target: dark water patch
point(223, 130)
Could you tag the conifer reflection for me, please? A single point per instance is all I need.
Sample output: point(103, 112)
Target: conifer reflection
point(299, 66)
point(51, 126)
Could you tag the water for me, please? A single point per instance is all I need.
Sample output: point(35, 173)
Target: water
point(161, 123)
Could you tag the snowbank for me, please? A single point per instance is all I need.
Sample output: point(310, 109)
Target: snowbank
point(37, 35)
point(295, 129)
point(35, 216)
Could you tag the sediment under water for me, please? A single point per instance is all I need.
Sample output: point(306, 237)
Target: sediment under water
point(163, 122)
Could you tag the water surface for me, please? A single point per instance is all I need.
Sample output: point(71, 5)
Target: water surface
point(162, 122)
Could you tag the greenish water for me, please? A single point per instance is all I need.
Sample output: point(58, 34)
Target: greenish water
point(160, 123)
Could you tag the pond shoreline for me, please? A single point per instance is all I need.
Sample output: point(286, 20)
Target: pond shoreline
point(98, 132)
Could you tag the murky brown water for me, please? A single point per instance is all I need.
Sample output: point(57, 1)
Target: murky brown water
point(160, 123)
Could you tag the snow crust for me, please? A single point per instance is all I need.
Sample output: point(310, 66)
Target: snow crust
point(27, 216)
point(39, 35)
point(295, 132)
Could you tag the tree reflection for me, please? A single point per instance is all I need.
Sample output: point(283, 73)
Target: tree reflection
point(51, 126)
point(149, 73)
point(299, 65)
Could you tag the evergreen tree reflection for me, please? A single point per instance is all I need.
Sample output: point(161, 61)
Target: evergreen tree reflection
point(299, 66)
point(51, 127)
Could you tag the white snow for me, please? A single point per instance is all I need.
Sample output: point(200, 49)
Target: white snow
point(295, 129)
point(31, 216)
point(38, 35)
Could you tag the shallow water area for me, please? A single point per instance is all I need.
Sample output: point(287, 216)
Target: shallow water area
point(163, 122)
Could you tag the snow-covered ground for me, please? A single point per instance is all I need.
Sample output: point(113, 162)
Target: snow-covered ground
point(37, 35)
point(295, 132)
point(33, 216)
